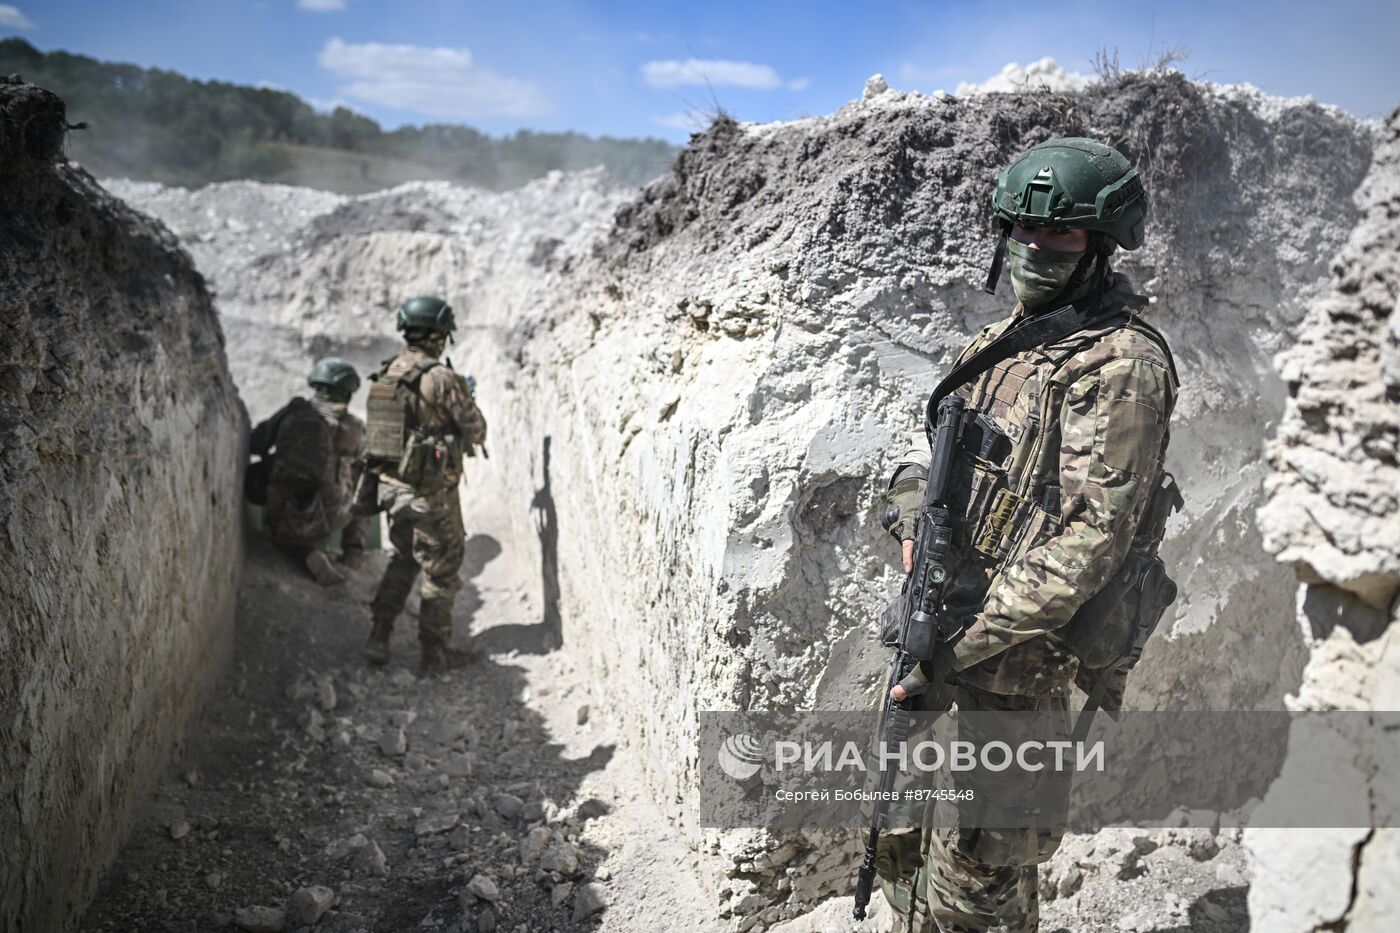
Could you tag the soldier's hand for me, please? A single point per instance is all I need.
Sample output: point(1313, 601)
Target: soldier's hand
point(908, 548)
point(924, 675)
point(913, 685)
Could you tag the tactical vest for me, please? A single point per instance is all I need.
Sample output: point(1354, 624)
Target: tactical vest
point(397, 446)
point(1009, 503)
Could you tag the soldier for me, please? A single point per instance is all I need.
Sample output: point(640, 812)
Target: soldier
point(1046, 519)
point(422, 420)
point(309, 449)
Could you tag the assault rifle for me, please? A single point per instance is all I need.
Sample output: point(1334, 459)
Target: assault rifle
point(470, 382)
point(915, 626)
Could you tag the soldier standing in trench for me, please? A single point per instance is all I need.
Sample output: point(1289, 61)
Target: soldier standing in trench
point(309, 449)
point(422, 420)
point(1044, 522)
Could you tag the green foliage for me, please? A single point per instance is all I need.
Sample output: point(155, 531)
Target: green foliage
point(158, 125)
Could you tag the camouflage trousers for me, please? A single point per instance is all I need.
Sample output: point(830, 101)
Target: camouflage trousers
point(966, 879)
point(297, 519)
point(427, 537)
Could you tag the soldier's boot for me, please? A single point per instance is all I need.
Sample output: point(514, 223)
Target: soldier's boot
point(377, 647)
point(318, 564)
point(434, 632)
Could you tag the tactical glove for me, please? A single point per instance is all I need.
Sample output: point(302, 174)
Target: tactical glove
point(928, 673)
point(904, 498)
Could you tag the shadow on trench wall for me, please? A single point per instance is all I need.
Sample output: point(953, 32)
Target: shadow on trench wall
point(547, 634)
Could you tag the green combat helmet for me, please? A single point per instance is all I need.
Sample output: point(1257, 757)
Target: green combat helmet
point(335, 376)
point(1070, 184)
point(426, 312)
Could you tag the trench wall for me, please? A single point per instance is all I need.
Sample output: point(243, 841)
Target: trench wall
point(120, 538)
point(1333, 515)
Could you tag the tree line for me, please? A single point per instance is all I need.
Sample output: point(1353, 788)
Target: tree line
point(158, 125)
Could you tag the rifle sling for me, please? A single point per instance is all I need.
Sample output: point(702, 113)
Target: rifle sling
point(1025, 335)
point(1094, 700)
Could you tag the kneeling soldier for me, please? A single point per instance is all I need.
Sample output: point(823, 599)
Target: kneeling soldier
point(309, 450)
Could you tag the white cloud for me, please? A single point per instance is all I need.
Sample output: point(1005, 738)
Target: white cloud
point(716, 72)
point(439, 82)
point(322, 6)
point(1044, 73)
point(799, 84)
point(13, 18)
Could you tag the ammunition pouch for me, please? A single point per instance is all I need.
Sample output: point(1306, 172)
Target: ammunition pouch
point(1111, 628)
point(1115, 623)
point(426, 461)
point(1004, 519)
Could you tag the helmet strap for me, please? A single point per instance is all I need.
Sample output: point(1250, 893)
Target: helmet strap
point(998, 258)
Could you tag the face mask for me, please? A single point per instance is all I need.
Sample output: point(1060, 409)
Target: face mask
point(433, 345)
point(1037, 275)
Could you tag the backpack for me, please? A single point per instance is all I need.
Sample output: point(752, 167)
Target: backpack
point(303, 449)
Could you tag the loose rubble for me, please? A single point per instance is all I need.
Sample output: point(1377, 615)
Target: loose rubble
point(268, 827)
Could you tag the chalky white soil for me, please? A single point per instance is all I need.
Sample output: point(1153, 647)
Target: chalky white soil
point(710, 380)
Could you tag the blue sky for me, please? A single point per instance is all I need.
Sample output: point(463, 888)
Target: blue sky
point(634, 68)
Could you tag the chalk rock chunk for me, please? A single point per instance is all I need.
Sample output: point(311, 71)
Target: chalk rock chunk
point(561, 858)
point(325, 693)
point(308, 905)
point(433, 825)
point(393, 742)
point(533, 845)
point(508, 805)
point(483, 888)
point(363, 854)
point(589, 899)
point(260, 919)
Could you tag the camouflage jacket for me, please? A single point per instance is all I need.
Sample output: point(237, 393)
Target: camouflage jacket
point(443, 405)
point(1086, 420)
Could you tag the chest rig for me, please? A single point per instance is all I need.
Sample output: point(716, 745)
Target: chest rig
point(1007, 474)
point(401, 444)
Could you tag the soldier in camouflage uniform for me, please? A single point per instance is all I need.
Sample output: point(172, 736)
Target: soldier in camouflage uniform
point(311, 447)
point(440, 420)
point(1086, 422)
